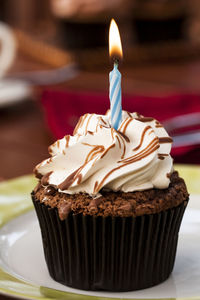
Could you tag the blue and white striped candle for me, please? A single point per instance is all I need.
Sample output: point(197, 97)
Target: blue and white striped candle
point(115, 97)
point(115, 93)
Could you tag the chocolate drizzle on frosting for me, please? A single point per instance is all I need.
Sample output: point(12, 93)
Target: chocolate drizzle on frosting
point(124, 136)
point(142, 138)
point(158, 124)
point(94, 152)
point(164, 140)
point(102, 120)
point(37, 174)
point(126, 125)
point(162, 156)
point(153, 146)
point(79, 124)
point(88, 120)
point(118, 142)
point(106, 151)
point(67, 137)
point(45, 178)
point(132, 158)
point(144, 119)
point(69, 180)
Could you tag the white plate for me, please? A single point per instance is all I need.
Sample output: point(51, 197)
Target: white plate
point(22, 256)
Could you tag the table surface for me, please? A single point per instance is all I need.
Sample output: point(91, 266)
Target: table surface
point(24, 135)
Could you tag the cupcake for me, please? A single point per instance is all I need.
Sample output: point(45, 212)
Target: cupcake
point(110, 204)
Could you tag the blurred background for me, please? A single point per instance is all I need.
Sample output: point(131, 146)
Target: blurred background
point(54, 66)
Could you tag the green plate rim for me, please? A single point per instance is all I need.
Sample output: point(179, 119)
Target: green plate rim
point(17, 191)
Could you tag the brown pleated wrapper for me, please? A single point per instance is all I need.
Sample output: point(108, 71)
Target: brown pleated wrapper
point(109, 253)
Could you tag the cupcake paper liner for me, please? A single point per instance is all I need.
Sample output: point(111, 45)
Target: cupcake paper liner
point(109, 253)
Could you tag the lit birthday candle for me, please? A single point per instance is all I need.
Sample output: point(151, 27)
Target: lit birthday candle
point(115, 51)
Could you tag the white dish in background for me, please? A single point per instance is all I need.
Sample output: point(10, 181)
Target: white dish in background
point(13, 91)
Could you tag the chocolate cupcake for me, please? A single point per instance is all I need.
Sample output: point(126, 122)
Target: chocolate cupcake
point(110, 205)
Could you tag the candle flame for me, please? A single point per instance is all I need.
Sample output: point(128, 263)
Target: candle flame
point(115, 46)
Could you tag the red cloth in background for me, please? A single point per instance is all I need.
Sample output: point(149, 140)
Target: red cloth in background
point(63, 108)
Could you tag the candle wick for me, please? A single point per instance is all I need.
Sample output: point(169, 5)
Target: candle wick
point(116, 63)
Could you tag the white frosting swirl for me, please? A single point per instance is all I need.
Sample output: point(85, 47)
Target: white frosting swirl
point(136, 157)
